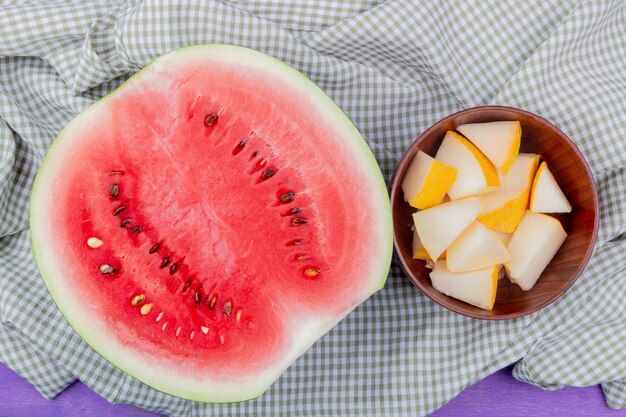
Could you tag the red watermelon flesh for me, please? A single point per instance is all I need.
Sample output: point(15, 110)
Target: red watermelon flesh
point(240, 214)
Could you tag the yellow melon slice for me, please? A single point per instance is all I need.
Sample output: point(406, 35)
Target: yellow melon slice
point(438, 226)
point(521, 174)
point(546, 195)
point(419, 251)
point(533, 245)
point(475, 173)
point(477, 288)
point(499, 141)
point(477, 247)
point(426, 181)
point(504, 237)
point(504, 208)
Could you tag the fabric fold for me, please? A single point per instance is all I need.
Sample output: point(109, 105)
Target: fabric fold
point(395, 68)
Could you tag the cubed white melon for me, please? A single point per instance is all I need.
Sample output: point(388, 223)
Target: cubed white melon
point(546, 195)
point(503, 210)
point(521, 174)
point(504, 237)
point(504, 207)
point(499, 141)
point(477, 247)
point(438, 226)
point(418, 250)
point(534, 243)
point(477, 288)
point(426, 181)
point(475, 173)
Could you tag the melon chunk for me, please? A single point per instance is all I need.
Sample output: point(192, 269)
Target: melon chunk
point(546, 195)
point(504, 237)
point(477, 247)
point(503, 210)
point(419, 252)
point(533, 245)
point(475, 173)
point(477, 288)
point(426, 181)
point(521, 174)
point(438, 226)
point(499, 141)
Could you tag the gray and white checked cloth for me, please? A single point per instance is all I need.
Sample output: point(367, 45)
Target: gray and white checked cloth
point(395, 67)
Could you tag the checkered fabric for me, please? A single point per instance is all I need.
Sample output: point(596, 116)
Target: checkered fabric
point(395, 67)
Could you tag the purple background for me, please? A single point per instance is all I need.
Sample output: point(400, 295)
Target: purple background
point(496, 396)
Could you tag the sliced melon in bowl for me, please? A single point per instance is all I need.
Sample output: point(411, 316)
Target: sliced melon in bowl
point(477, 247)
point(439, 226)
point(546, 195)
point(503, 236)
point(427, 181)
point(533, 245)
point(499, 141)
point(504, 207)
point(475, 173)
point(419, 251)
point(503, 210)
point(477, 288)
point(521, 174)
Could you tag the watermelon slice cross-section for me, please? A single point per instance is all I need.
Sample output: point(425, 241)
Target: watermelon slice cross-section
point(201, 226)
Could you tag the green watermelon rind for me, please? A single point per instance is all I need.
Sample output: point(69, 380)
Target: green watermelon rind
point(40, 203)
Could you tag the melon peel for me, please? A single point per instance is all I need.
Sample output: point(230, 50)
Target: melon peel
point(475, 173)
point(426, 181)
point(477, 288)
point(546, 195)
point(499, 141)
point(505, 216)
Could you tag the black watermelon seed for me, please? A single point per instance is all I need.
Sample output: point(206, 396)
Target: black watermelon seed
point(187, 285)
point(268, 173)
point(137, 229)
point(297, 221)
point(114, 191)
point(125, 222)
point(211, 119)
point(118, 210)
point(173, 268)
point(287, 197)
point(154, 248)
point(166, 262)
point(228, 308)
point(295, 210)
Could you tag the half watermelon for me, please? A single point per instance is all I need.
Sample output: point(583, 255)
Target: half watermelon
point(201, 226)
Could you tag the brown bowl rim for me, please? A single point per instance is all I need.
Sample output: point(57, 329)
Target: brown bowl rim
point(395, 186)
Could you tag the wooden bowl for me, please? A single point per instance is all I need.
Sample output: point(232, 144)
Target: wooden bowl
point(573, 175)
